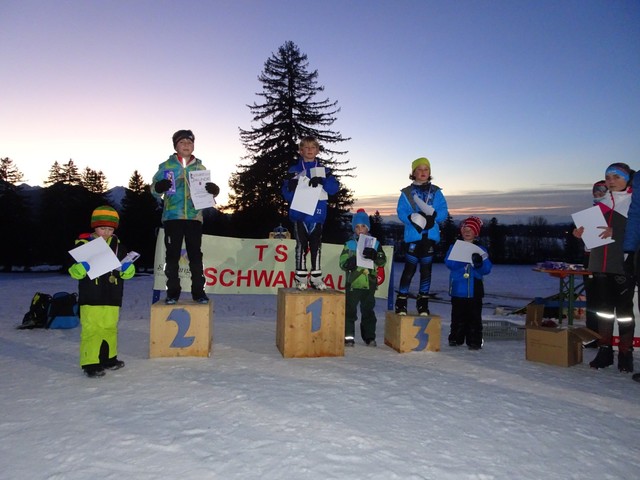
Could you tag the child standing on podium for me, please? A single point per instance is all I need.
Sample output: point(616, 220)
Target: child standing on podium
point(361, 283)
point(467, 289)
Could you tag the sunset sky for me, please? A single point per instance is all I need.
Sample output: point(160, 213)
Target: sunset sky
point(520, 105)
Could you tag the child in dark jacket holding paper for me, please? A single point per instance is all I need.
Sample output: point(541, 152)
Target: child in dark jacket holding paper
point(180, 219)
point(307, 228)
point(467, 289)
point(361, 283)
point(100, 299)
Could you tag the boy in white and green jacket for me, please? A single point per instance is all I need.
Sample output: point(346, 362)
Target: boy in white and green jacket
point(361, 283)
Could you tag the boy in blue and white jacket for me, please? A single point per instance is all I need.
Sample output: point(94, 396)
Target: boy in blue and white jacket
point(467, 289)
point(421, 207)
point(307, 229)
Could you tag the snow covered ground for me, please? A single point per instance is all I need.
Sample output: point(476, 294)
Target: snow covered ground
point(248, 413)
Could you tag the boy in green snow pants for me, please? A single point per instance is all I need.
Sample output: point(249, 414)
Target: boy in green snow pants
point(361, 283)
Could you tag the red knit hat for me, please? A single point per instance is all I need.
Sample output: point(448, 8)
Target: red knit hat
point(474, 223)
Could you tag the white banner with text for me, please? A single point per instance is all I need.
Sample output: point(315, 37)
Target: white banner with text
point(257, 266)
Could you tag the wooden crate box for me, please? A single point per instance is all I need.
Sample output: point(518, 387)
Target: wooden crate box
point(181, 330)
point(407, 333)
point(310, 323)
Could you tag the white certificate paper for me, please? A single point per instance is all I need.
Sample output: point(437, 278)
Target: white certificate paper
point(197, 186)
point(365, 241)
point(305, 198)
point(591, 219)
point(98, 255)
point(462, 251)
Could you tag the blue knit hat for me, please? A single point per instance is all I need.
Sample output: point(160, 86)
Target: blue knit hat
point(360, 218)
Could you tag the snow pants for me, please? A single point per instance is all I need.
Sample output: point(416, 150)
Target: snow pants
point(98, 334)
point(466, 321)
point(368, 320)
point(175, 231)
point(307, 241)
point(418, 253)
point(614, 302)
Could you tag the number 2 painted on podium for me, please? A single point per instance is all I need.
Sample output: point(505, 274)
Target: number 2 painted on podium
point(183, 321)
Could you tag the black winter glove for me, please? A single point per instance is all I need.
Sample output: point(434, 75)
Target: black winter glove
point(212, 188)
point(292, 184)
point(476, 259)
point(629, 264)
point(431, 220)
point(315, 181)
point(163, 185)
point(350, 264)
point(369, 253)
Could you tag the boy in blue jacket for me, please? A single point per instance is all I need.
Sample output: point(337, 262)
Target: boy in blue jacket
point(361, 283)
point(466, 290)
point(180, 219)
point(307, 229)
point(421, 207)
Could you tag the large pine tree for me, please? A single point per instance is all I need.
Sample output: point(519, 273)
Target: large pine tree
point(288, 112)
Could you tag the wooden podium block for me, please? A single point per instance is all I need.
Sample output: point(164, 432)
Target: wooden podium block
point(406, 333)
point(310, 323)
point(181, 330)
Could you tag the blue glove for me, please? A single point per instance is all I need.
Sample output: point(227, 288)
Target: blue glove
point(125, 266)
point(86, 266)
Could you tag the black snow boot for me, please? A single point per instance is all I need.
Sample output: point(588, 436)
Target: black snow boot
point(603, 359)
point(625, 361)
point(401, 304)
point(422, 304)
point(113, 364)
point(93, 371)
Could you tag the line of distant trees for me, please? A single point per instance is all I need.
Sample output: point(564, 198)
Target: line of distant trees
point(40, 225)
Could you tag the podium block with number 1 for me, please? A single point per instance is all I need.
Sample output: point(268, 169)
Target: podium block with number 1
point(310, 323)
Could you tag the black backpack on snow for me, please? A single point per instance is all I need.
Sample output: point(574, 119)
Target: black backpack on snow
point(38, 314)
point(59, 310)
point(63, 311)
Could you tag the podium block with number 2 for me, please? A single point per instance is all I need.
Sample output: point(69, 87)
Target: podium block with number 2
point(181, 330)
point(310, 323)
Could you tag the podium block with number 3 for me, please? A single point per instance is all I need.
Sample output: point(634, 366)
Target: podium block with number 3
point(406, 333)
point(310, 323)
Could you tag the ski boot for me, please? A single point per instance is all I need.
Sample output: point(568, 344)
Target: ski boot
point(316, 280)
point(422, 304)
point(603, 359)
point(371, 343)
point(349, 342)
point(625, 361)
point(301, 279)
point(401, 304)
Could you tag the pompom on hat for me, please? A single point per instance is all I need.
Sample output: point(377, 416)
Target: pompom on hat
point(181, 135)
point(360, 218)
point(105, 216)
point(600, 187)
point(474, 223)
point(420, 161)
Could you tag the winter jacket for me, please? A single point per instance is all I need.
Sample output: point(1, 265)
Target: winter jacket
point(361, 278)
point(459, 286)
point(330, 187)
point(102, 290)
point(610, 258)
point(178, 206)
point(632, 230)
point(432, 195)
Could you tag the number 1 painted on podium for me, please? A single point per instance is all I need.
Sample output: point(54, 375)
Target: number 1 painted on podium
point(315, 309)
